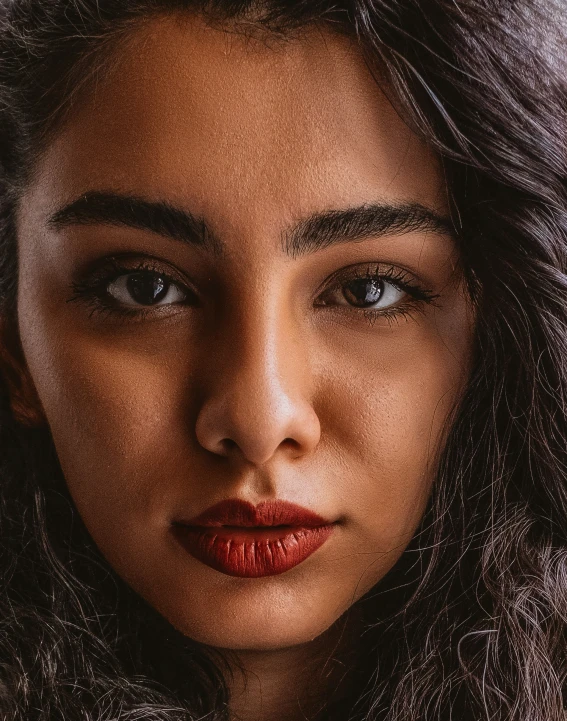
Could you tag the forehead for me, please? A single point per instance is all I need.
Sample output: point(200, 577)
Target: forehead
point(240, 130)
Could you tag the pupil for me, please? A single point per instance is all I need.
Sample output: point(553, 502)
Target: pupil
point(363, 291)
point(146, 289)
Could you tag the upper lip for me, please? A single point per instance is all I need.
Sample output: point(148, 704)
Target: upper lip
point(235, 512)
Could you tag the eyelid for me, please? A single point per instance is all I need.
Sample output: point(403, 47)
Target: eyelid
point(111, 267)
point(93, 282)
point(106, 271)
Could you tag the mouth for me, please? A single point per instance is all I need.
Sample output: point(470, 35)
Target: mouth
point(239, 539)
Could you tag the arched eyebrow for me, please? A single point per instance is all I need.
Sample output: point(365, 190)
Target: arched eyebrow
point(308, 235)
point(96, 208)
point(372, 220)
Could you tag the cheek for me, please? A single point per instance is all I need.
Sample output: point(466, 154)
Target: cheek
point(387, 411)
point(118, 406)
point(113, 411)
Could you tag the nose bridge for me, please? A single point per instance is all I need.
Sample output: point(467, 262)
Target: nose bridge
point(259, 395)
point(265, 354)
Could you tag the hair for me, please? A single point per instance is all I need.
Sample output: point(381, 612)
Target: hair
point(472, 621)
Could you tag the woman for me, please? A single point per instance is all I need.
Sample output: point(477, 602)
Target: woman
point(283, 337)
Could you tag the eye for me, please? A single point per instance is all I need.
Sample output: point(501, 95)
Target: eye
point(117, 290)
point(368, 293)
point(145, 288)
point(369, 290)
point(375, 290)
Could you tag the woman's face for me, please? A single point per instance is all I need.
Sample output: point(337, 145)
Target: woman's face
point(237, 283)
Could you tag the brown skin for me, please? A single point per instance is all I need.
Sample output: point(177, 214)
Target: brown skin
point(258, 391)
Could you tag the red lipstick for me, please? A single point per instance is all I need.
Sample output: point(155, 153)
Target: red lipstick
point(239, 539)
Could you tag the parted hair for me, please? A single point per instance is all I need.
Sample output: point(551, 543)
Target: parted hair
point(471, 623)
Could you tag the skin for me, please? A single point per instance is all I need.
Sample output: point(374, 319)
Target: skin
point(258, 391)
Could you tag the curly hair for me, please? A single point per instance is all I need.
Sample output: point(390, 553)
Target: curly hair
point(471, 623)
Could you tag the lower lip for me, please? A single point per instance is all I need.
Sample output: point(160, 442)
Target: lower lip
point(252, 552)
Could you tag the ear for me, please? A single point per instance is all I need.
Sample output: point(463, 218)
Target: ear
point(24, 400)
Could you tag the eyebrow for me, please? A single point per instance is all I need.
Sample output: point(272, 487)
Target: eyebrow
point(316, 232)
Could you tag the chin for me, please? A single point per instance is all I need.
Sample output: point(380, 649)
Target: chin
point(254, 639)
point(273, 619)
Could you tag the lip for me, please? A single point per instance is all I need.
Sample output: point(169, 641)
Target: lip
point(240, 539)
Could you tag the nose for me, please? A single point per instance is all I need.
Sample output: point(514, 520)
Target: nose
point(257, 399)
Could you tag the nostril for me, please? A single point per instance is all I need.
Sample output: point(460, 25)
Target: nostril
point(291, 442)
point(228, 444)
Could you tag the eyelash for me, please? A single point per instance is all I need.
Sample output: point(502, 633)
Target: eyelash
point(399, 278)
point(92, 290)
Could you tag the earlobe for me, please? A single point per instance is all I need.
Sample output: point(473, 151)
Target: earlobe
point(24, 400)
